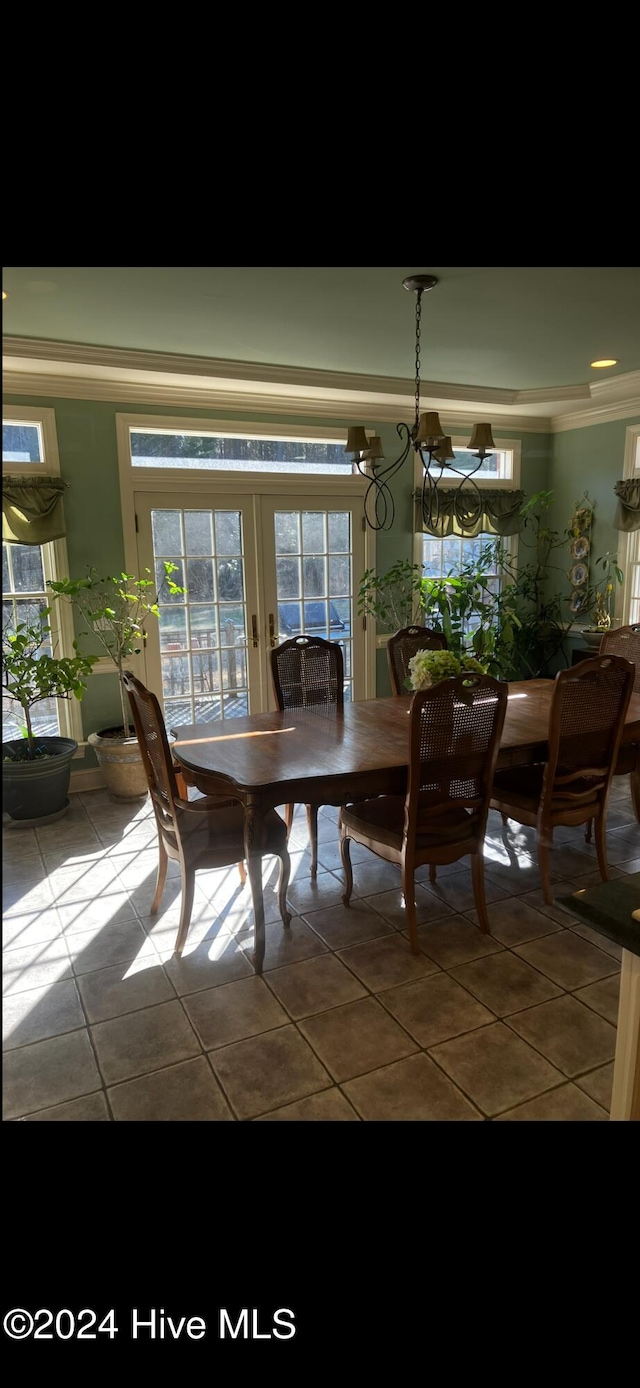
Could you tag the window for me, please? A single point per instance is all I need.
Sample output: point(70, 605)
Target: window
point(628, 607)
point(443, 557)
point(29, 445)
point(237, 452)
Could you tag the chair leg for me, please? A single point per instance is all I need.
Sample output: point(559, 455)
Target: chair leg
point(601, 847)
point(288, 818)
point(504, 817)
point(477, 877)
point(283, 883)
point(186, 907)
point(543, 863)
point(312, 826)
point(409, 893)
point(345, 854)
point(243, 873)
point(634, 786)
point(163, 859)
point(587, 831)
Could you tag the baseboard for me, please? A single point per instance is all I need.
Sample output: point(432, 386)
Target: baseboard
point(91, 779)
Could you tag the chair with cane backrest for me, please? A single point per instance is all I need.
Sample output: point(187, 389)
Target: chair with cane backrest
point(405, 644)
point(204, 833)
point(586, 720)
point(308, 673)
point(454, 736)
point(625, 641)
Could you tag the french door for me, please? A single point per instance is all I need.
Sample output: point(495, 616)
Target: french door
point(256, 569)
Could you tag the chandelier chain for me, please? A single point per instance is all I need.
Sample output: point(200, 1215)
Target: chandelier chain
point(418, 317)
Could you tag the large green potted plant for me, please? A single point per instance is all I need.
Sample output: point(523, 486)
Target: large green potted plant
point(36, 769)
point(116, 608)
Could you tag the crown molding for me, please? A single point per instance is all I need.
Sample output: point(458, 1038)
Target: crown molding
point(155, 378)
point(583, 419)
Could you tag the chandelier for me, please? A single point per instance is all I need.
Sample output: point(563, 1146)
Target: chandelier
point(432, 445)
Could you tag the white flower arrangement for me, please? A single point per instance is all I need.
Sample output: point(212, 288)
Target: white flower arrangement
point(428, 667)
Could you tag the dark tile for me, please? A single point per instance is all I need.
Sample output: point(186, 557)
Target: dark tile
point(105, 946)
point(454, 941)
point(329, 1106)
point(354, 1039)
point(391, 906)
point(564, 1105)
point(182, 1093)
point(314, 985)
point(567, 959)
point(571, 1036)
point(603, 997)
point(340, 926)
point(124, 988)
point(411, 1090)
point(598, 1085)
point(385, 963)
point(505, 983)
point(435, 1009)
point(91, 1109)
point(496, 1068)
point(143, 1041)
point(286, 946)
point(268, 1071)
point(515, 920)
point(234, 1011)
point(35, 966)
point(456, 890)
point(47, 1073)
point(208, 964)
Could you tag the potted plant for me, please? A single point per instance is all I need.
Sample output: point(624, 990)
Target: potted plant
point(116, 608)
point(36, 769)
point(600, 598)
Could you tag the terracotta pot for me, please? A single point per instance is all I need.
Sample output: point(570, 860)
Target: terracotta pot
point(120, 761)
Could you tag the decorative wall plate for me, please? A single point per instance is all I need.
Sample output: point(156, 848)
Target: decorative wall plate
point(579, 574)
point(580, 548)
point(578, 601)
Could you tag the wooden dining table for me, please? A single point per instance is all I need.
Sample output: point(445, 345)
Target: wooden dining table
point(331, 758)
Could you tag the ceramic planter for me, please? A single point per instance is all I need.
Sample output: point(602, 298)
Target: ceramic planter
point(33, 791)
point(120, 761)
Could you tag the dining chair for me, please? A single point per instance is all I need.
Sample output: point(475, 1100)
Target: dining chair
point(586, 720)
point(405, 644)
point(308, 673)
point(454, 735)
point(625, 641)
point(203, 833)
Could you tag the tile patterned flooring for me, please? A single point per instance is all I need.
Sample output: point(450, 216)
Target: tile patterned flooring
point(101, 1022)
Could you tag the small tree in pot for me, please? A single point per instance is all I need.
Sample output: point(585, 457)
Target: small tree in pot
point(116, 608)
point(36, 769)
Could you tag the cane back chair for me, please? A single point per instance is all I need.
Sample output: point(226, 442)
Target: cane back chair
point(586, 720)
point(454, 735)
point(204, 833)
point(308, 673)
point(405, 644)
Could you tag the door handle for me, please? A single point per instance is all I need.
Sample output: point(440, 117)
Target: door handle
point(272, 631)
point(254, 630)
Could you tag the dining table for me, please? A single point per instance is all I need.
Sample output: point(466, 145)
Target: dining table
point(322, 756)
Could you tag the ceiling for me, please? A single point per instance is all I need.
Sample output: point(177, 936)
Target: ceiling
point(484, 328)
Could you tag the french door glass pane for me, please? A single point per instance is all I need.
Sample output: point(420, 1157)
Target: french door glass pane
point(203, 633)
point(314, 576)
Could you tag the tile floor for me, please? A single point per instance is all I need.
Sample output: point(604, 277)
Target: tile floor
point(102, 1023)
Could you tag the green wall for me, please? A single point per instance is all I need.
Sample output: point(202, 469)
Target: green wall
point(589, 459)
point(565, 463)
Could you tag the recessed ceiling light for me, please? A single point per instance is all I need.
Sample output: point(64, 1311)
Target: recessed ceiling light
point(4, 295)
point(605, 361)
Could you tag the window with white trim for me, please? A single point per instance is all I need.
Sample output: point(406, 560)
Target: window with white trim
point(237, 451)
point(30, 445)
point(629, 544)
point(442, 558)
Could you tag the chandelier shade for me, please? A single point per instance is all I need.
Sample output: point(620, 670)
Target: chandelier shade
point(427, 438)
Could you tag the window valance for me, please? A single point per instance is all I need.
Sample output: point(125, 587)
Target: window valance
point(32, 510)
point(627, 515)
point(464, 511)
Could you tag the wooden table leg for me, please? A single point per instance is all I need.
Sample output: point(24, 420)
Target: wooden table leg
point(254, 835)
